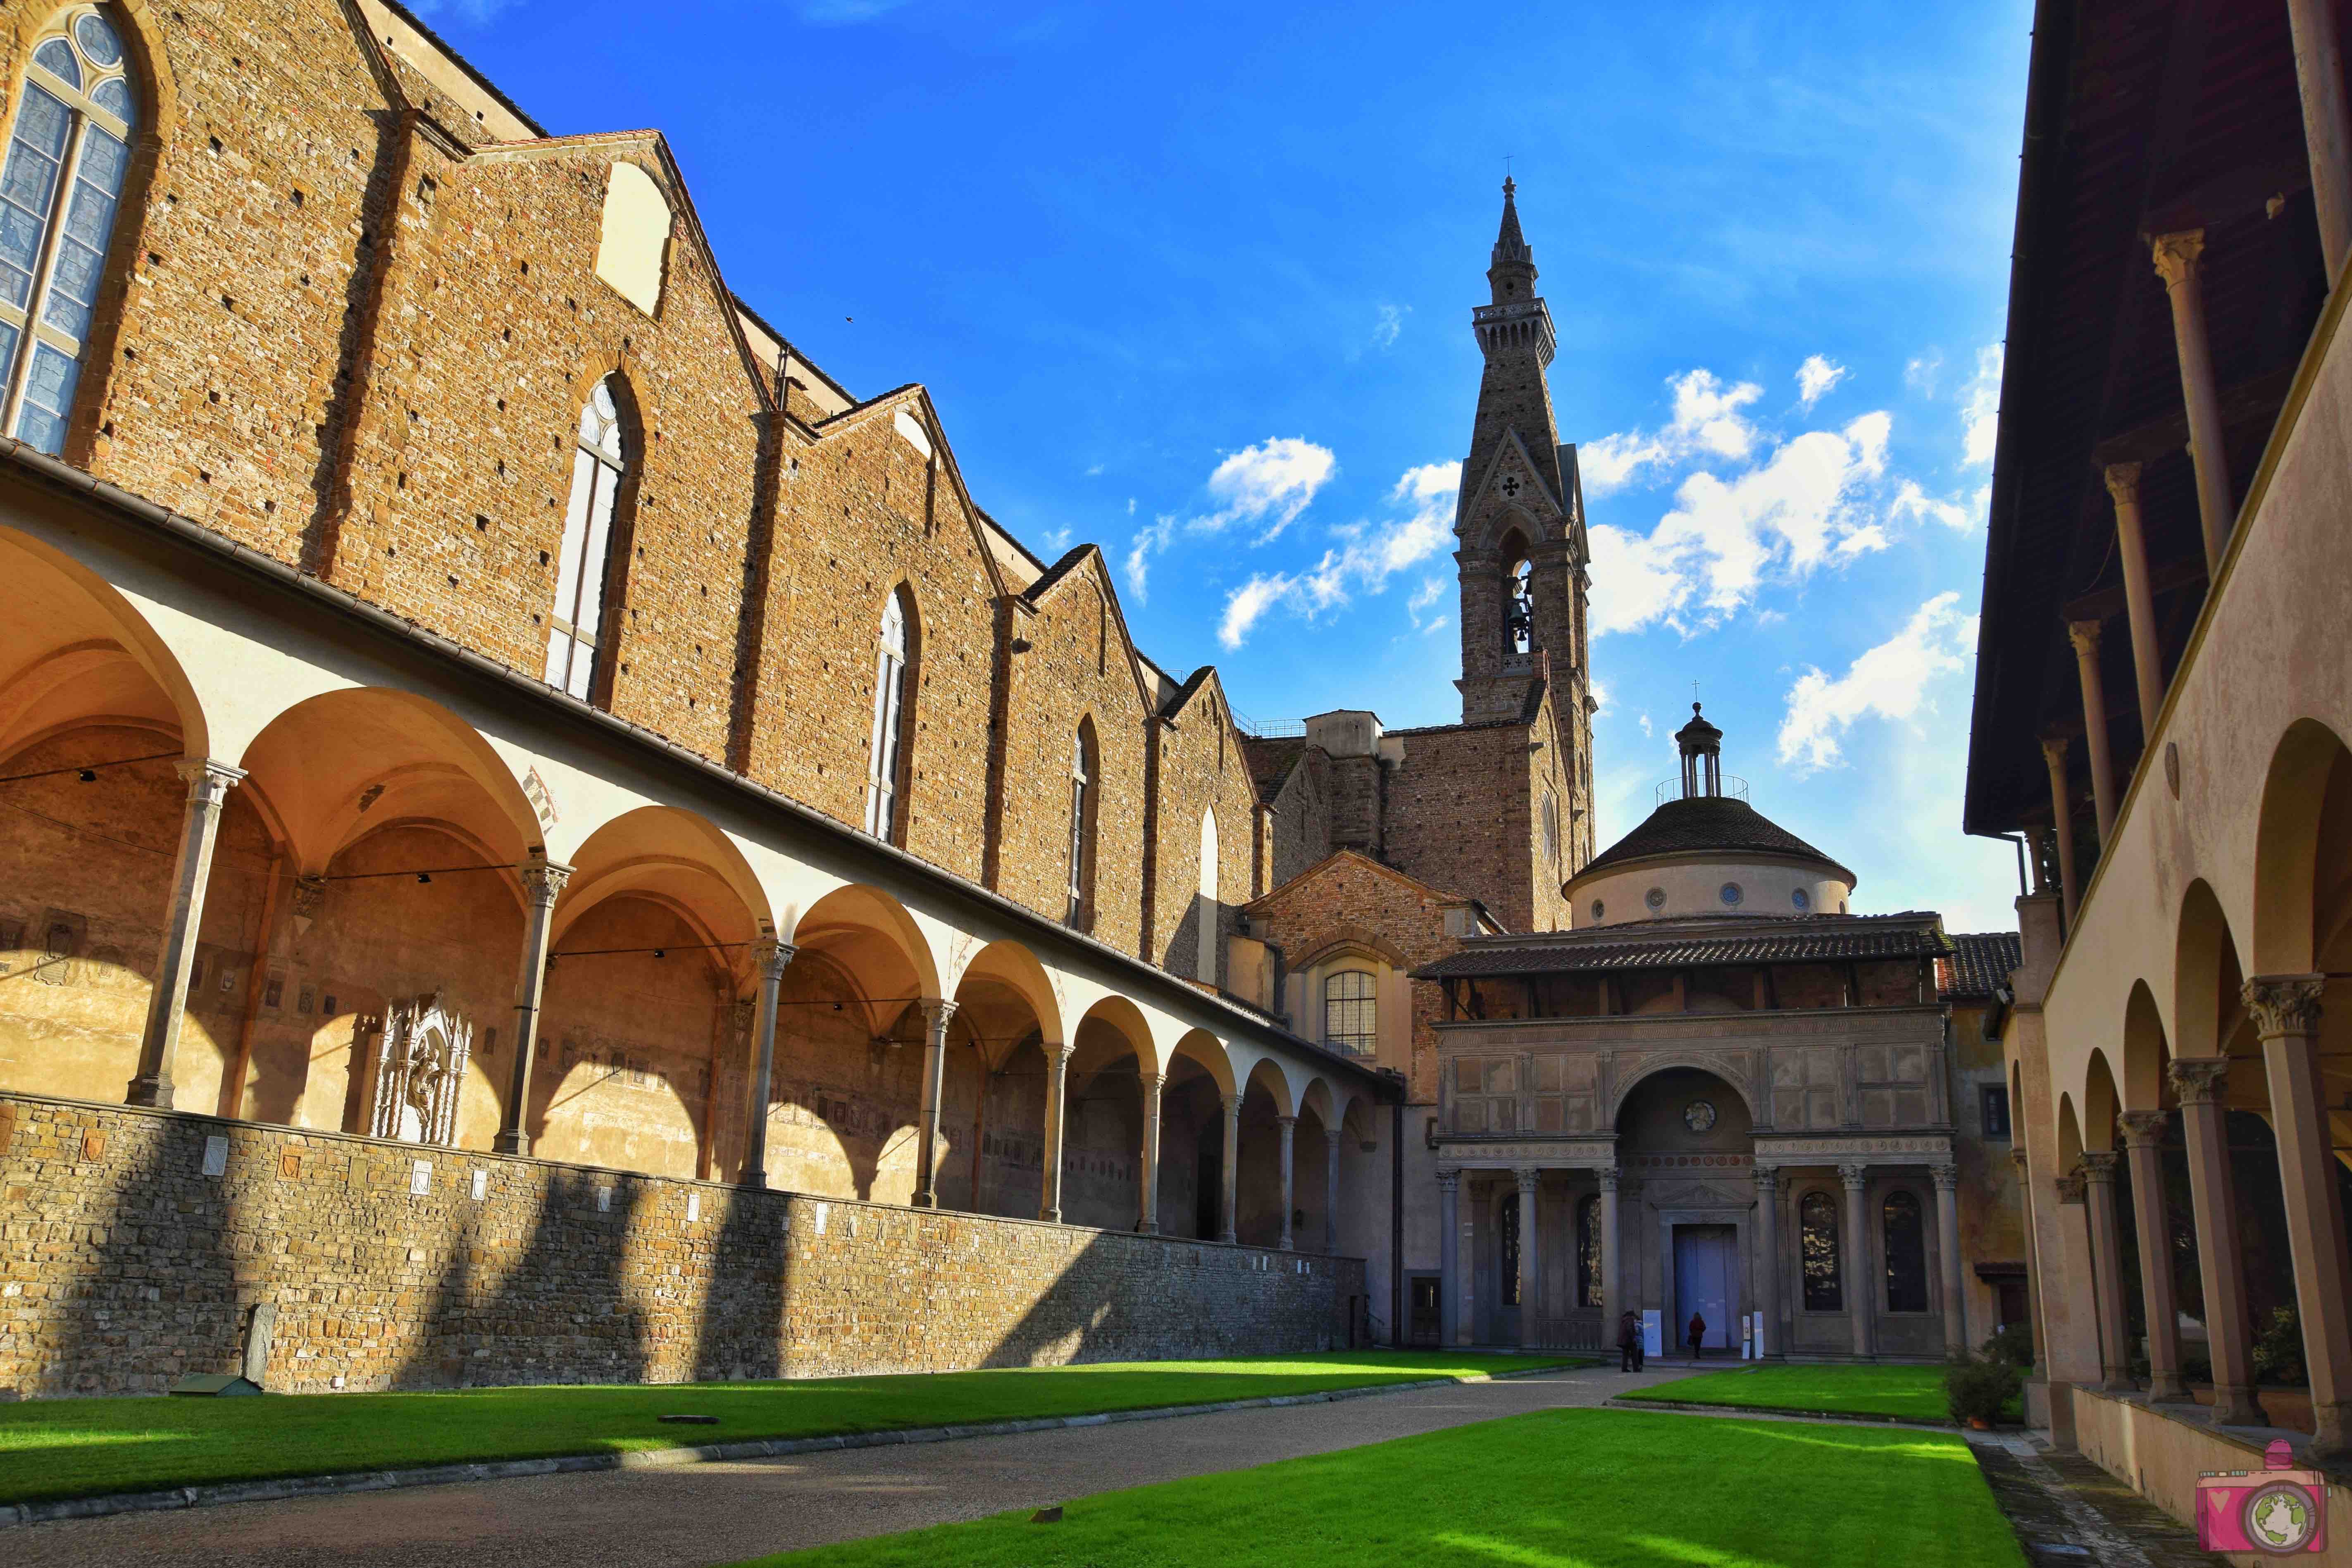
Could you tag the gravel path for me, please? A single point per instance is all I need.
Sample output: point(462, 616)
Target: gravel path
point(700, 1514)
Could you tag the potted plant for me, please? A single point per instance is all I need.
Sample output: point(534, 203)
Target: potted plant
point(1978, 1389)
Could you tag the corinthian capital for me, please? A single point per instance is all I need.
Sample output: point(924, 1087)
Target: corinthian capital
point(2070, 1189)
point(2144, 1129)
point(2199, 1080)
point(2084, 635)
point(2123, 483)
point(2097, 1166)
point(2286, 1004)
point(2176, 254)
point(543, 880)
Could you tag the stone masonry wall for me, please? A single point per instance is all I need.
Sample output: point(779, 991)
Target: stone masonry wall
point(126, 1261)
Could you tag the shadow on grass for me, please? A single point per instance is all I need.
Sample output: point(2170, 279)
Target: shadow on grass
point(1563, 1488)
point(86, 1447)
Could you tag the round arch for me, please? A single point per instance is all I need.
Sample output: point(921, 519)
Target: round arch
point(674, 854)
point(870, 936)
point(2305, 767)
point(71, 643)
point(2145, 1053)
point(1735, 1079)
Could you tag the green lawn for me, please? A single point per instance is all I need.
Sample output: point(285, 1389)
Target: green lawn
point(83, 1448)
point(1560, 1489)
point(1898, 1393)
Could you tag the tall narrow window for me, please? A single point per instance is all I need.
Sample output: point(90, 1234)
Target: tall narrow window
point(1351, 1015)
point(1817, 1231)
point(1506, 1231)
point(1552, 827)
point(1589, 1259)
point(1906, 1255)
point(68, 153)
point(1082, 768)
point(1519, 611)
point(890, 721)
point(1204, 958)
point(583, 570)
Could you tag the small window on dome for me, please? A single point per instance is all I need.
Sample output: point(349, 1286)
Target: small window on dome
point(1801, 901)
point(1598, 908)
point(1656, 897)
point(1731, 894)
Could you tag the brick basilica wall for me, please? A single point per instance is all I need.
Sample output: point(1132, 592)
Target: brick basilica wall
point(125, 1265)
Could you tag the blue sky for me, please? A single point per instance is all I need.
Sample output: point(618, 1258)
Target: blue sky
point(1193, 282)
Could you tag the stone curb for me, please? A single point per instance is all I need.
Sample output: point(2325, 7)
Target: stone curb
point(1860, 1420)
point(215, 1494)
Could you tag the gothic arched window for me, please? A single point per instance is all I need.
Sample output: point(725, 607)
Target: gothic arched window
point(1551, 827)
point(1906, 1254)
point(1519, 610)
point(583, 570)
point(1204, 958)
point(1084, 786)
point(886, 748)
point(1817, 1233)
point(1589, 1262)
point(69, 154)
point(1350, 1014)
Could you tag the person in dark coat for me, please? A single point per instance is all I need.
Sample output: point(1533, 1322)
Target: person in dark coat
point(1697, 1334)
point(1629, 1343)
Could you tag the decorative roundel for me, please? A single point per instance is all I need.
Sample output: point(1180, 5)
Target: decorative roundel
point(1656, 897)
point(1731, 894)
point(1699, 1115)
point(1801, 900)
point(1597, 907)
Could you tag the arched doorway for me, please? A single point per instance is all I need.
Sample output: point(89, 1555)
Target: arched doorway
point(1685, 1137)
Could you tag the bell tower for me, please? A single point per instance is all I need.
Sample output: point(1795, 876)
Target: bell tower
point(1520, 516)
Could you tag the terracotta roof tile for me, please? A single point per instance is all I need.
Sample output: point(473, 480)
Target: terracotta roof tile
point(1979, 966)
point(1822, 939)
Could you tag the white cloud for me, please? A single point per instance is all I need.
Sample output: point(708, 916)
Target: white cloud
point(1815, 377)
point(1390, 324)
point(1913, 504)
point(1707, 423)
point(1094, 469)
point(1805, 504)
point(1981, 420)
point(1889, 681)
point(1055, 539)
point(1432, 589)
point(1367, 556)
point(1268, 484)
point(1646, 729)
point(1921, 374)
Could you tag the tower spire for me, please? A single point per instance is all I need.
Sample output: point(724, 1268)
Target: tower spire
point(1511, 269)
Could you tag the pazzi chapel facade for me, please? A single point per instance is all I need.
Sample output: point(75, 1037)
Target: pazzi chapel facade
point(522, 799)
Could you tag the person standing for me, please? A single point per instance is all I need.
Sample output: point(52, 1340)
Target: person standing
point(1629, 1343)
point(1697, 1334)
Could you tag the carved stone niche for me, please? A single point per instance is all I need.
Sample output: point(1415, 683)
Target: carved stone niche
point(420, 1072)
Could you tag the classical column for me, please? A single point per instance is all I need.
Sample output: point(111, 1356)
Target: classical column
point(2139, 597)
point(1288, 1125)
point(2176, 263)
point(1147, 1221)
point(1530, 1178)
point(770, 956)
point(2053, 753)
point(542, 884)
point(2084, 635)
point(192, 869)
point(1767, 1259)
point(1449, 1254)
point(2200, 1082)
point(1859, 1289)
point(2099, 1168)
point(2327, 139)
point(1331, 1191)
point(2032, 1263)
point(1057, 1080)
point(1233, 1174)
point(1947, 1250)
point(1613, 1292)
point(2285, 1009)
point(937, 1011)
point(2143, 1152)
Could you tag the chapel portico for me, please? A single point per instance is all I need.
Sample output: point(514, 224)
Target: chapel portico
point(1728, 1113)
